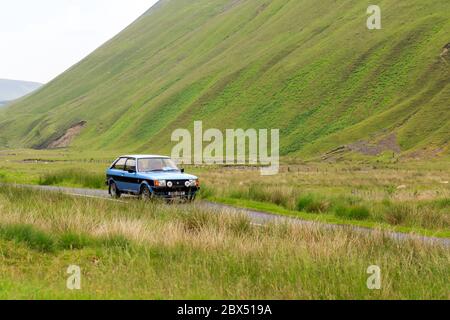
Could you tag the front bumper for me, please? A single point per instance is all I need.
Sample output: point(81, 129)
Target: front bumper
point(175, 193)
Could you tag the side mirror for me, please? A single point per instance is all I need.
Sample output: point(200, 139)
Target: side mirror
point(131, 171)
point(182, 170)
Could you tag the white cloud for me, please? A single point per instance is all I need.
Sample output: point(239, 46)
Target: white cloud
point(41, 39)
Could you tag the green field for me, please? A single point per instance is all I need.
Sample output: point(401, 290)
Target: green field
point(141, 250)
point(310, 68)
point(410, 197)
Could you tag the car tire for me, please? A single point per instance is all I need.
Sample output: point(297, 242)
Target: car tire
point(114, 191)
point(146, 194)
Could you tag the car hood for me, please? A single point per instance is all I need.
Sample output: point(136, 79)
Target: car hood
point(168, 176)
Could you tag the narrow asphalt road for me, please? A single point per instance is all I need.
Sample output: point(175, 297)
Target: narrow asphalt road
point(257, 217)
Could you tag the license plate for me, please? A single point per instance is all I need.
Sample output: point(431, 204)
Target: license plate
point(177, 194)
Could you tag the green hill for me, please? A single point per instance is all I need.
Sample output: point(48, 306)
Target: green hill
point(310, 68)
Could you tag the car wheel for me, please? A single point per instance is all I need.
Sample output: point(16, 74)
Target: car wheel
point(115, 193)
point(146, 194)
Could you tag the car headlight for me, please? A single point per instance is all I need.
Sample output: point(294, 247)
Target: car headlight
point(160, 183)
point(193, 183)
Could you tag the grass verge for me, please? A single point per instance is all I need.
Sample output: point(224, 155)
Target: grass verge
point(138, 250)
point(325, 218)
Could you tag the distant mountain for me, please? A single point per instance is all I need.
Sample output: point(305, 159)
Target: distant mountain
point(15, 89)
point(310, 68)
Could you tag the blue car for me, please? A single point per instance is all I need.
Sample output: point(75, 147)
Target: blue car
point(150, 176)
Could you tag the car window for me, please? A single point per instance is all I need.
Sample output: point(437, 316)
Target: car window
point(130, 165)
point(120, 164)
point(156, 164)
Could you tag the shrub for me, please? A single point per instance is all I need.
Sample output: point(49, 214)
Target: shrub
point(26, 234)
point(443, 203)
point(396, 213)
point(258, 194)
point(73, 241)
point(277, 194)
point(72, 176)
point(353, 213)
point(310, 204)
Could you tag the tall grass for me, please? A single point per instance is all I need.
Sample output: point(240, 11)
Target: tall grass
point(356, 213)
point(73, 177)
point(312, 204)
point(47, 242)
point(281, 195)
point(35, 239)
point(412, 196)
point(135, 249)
point(348, 193)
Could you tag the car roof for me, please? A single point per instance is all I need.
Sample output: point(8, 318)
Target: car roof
point(147, 156)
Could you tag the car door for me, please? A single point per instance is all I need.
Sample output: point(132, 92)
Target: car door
point(117, 173)
point(131, 178)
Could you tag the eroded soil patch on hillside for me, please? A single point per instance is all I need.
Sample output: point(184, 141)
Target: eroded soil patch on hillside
point(66, 139)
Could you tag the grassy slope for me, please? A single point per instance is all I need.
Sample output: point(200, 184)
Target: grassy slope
point(310, 68)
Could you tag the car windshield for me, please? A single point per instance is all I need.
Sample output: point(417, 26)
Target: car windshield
point(156, 164)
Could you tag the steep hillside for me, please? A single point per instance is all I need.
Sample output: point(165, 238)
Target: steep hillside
point(14, 89)
point(310, 68)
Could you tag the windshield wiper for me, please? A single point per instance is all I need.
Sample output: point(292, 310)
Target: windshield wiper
point(161, 170)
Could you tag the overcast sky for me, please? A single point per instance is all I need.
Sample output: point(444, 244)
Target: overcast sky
point(39, 39)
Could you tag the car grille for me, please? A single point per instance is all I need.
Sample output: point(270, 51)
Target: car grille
point(178, 184)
